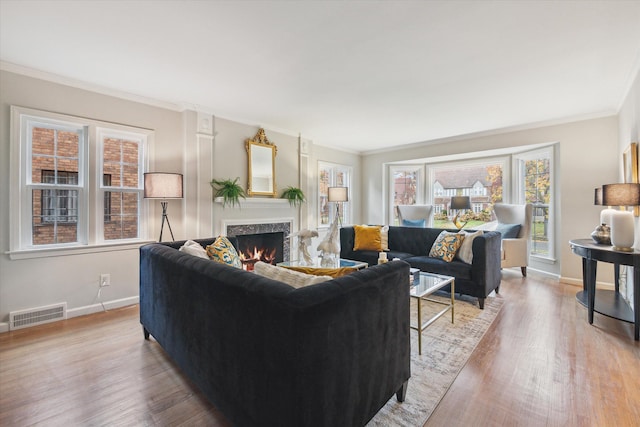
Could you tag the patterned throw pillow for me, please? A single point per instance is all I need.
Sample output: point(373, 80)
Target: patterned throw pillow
point(222, 251)
point(446, 246)
point(367, 238)
point(465, 253)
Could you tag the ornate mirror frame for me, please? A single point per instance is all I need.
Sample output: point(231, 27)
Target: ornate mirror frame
point(261, 154)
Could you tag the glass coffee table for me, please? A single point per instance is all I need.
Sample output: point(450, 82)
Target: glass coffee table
point(430, 283)
point(317, 263)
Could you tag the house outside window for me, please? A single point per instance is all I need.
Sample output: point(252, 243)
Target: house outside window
point(333, 175)
point(61, 204)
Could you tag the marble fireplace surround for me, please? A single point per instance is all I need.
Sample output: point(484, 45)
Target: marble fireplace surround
point(257, 215)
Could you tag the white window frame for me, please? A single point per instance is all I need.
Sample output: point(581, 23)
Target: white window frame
point(90, 197)
point(519, 196)
point(334, 168)
point(419, 169)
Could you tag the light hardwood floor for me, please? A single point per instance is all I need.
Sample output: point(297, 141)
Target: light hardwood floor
point(540, 364)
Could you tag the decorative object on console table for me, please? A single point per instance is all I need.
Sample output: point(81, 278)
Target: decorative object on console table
point(622, 222)
point(602, 233)
point(230, 191)
point(459, 203)
point(163, 186)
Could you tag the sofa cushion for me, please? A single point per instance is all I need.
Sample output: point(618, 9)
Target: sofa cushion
point(446, 246)
point(222, 251)
point(457, 269)
point(367, 238)
point(194, 248)
point(509, 231)
point(465, 253)
point(290, 277)
point(415, 223)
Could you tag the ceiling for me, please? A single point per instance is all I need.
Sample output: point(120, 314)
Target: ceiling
point(360, 75)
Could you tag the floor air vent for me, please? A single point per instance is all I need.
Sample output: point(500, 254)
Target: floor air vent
point(37, 316)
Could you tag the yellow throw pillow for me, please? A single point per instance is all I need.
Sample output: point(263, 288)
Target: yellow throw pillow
point(446, 246)
point(367, 238)
point(222, 251)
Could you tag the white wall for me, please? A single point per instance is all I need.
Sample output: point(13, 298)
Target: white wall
point(196, 144)
point(36, 282)
point(587, 158)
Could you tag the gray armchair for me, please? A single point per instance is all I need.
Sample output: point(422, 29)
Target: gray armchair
point(415, 212)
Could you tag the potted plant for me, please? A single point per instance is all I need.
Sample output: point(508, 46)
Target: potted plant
point(294, 195)
point(230, 191)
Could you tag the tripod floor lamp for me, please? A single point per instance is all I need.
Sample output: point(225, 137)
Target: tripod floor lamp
point(163, 186)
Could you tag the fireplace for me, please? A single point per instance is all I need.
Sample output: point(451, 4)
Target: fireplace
point(260, 241)
point(265, 247)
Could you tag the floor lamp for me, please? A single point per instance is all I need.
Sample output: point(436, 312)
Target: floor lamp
point(338, 195)
point(163, 186)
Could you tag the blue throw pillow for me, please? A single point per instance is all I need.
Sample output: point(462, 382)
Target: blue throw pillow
point(509, 231)
point(416, 223)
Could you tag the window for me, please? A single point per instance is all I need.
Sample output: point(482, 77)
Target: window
point(481, 181)
point(68, 197)
point(333, 175)
point(535, 186)
point(406, 187)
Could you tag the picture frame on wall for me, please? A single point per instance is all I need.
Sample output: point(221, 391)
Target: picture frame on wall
point(630, 168)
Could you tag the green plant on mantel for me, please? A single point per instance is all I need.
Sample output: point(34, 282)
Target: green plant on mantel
point(230, 191)
point(294, 195)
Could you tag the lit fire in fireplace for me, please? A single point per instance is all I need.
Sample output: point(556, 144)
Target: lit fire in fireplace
point(250, 257)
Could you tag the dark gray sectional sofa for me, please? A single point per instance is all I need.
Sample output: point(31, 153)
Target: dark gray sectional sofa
point(412, 245)
point(267, 354)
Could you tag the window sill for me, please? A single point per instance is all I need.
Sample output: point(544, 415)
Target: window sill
point(544, 260)
point(75, 250)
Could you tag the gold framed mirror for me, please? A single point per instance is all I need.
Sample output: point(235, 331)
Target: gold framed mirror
point(261, 155)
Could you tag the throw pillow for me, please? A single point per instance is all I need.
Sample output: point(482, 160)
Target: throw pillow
point(446, 246)
point(416, 223)
point(222, 251)
point(509, 231)
point(384, 237)
point(367, 238)
point(465, 253)
point(290, 277)
point(194, 248)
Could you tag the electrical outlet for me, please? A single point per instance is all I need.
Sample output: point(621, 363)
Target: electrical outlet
point(105, 280)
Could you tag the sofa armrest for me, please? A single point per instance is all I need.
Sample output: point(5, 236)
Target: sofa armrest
point(486, 264)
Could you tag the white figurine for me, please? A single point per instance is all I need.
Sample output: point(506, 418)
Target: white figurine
point(330, 246)
point(304, 240)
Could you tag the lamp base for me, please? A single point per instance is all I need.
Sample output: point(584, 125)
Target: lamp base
point(457, 223)
point(617, 248)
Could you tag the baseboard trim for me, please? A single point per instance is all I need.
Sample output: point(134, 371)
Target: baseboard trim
point(578, 282)
point(96, 308)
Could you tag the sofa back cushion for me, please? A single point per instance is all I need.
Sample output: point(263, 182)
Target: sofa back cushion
point(290, 277)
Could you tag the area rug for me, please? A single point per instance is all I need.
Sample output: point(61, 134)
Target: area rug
point(446, 347)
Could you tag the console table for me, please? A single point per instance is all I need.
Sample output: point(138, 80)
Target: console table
point(610, 303)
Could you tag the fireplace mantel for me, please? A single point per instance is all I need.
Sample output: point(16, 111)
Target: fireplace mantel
point(258, 203)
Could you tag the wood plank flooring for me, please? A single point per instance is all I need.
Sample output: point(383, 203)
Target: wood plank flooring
point(540, 364)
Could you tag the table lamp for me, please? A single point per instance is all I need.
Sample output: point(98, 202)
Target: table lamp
point(622, 222)
point(338, 195)
point(458, 203)
point(163, 186)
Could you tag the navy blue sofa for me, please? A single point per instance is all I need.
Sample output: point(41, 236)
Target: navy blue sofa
point(412, 245)
point(267, 354)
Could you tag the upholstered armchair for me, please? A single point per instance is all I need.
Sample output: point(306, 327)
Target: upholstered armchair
point(415, 213)
point(516, 242)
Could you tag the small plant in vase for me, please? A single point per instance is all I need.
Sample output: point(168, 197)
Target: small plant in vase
point(229, 190)
point(294, 195)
